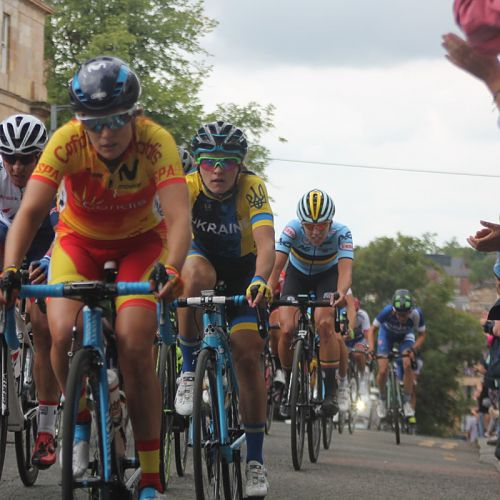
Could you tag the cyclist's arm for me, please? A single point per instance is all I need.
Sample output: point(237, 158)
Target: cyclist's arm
point(279, 264)
point(370, 336)
point(345, 278)
point(420, 340)
point(351, 311)
point(37, 201)
point(263, 237)
point(174, 200)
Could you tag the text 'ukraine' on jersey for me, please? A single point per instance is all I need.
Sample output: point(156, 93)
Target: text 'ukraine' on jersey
point(388, 319)
point(105, 205)
point(223, 228)
point(310, 259)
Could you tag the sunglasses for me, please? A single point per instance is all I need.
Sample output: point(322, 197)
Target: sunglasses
point(113, 122)
point(210, 164)
point(22, 159)
point(319, 226)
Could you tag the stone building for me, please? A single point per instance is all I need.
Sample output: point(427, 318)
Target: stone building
point(22, 78)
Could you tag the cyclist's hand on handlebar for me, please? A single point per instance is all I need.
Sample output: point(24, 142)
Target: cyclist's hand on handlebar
point(167, 282)
point(39, 270)
point(257, 289)
point(337, 299)
point(11, 284)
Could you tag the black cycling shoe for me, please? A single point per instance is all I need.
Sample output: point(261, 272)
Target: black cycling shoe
point(329, 407)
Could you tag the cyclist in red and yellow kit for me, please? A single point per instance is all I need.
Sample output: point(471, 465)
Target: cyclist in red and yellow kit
point(109, 164)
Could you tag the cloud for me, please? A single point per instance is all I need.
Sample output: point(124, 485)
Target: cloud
point(326, 32)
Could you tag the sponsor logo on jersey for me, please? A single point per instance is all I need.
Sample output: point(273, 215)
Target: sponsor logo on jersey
point(256, 199)
point(213, 228)
point(290, 232)
point(346, 246)
point(76, 143)
point(151, 151)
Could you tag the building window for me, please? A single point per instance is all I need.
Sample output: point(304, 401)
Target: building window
point(4, 63)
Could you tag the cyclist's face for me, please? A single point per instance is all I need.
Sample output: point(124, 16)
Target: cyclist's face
point(19, 168)
point(316, 233)
point(111, 143)
point(219, 178)
point(403, 316)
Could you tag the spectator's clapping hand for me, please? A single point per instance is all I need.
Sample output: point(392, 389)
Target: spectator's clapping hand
point(486, 239)
point(461, 54)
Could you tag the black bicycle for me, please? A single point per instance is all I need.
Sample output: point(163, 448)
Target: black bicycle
point(305, 392)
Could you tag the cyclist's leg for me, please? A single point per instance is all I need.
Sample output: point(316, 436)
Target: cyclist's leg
point(384, 346)
point(329, 354)
point(274, 340)
point(198, 274)
point(404, 347)
point(44, 454)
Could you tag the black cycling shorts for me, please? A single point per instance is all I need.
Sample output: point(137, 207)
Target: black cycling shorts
point(299, 283)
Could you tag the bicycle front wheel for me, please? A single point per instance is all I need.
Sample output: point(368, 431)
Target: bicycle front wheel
point(313, 421)
point(167, 375)
point(353, 400)
point(269, 380)
point(82, 371)
point(4, 359)
point(207, 456)
point(298, 403)
point(25, 438)
point(327, 431)
point(393, 404)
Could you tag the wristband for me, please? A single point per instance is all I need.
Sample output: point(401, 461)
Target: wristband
point(172, 271)
point(258, 278)
point(10, 268)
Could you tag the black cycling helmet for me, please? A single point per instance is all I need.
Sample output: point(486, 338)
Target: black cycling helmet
point(220, 137)
point(402, 301)
point(102, 86)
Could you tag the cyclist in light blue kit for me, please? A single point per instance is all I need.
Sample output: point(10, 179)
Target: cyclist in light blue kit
point(398, 323)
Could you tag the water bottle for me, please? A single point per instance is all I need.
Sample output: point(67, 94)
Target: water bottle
point(115, 408)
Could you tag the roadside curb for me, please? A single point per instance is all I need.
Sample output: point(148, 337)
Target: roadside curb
point(487, 454)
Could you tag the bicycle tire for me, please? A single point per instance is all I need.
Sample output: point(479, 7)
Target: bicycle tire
point(313, 421)
point(207, 456)
point(181, 444)
point(394, 405)
point(353, 396)
point(341, 421)
point(327, 431)
point(231, 472)
point(4, 357)
point(25, 438)
point(269, 371)
point(167, 375)
point(298, 400)
point(82, 369)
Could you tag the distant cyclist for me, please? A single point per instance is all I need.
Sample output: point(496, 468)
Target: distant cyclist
point(399, 322)
point(22, 139)
point(187, 160)
point(319, 252)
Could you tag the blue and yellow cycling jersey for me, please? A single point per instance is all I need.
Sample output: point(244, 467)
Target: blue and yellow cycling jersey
point(388, 320)
point(310, 259)
point(223, 227)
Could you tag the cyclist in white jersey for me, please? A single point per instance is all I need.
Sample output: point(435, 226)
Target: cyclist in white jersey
point(22, 139)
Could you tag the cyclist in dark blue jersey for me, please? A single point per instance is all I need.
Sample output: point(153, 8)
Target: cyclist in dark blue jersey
point(399, 322)
point(319, 252)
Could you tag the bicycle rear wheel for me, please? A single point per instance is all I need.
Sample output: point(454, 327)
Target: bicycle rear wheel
point(167, 375)
point(207, 456)
point(393, 404)
point(298, 402)
point(25, 439)
point(327, 431)
point(83, 370)
point(181, 442)
point(313, 421)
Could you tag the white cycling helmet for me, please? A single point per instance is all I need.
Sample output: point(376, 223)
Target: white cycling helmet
point(22, 134)
point(315, 206)
point(186, 159)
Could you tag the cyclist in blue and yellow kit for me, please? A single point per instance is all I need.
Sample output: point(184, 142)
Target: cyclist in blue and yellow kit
point(319, 252)
point(233, 241)
point(398, 322)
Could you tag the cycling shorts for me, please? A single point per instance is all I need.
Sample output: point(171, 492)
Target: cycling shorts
point(236, 275)
point(386, 340)
point(297, 282)
point(78, 258)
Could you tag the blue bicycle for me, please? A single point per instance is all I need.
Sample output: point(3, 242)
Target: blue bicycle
point(107, 475)
point(217, 435)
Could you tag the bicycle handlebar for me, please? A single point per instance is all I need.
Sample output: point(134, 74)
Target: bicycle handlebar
point(236, 300)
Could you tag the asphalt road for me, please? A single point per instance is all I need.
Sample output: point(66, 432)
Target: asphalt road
point(367, 464)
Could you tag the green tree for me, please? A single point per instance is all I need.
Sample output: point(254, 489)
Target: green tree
point(159, 39)
point(454, 337)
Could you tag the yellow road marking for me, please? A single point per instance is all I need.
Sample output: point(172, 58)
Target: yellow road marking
point(449, 446)
point(428, 442)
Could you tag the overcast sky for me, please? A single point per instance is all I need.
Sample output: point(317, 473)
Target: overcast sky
point(365, 83)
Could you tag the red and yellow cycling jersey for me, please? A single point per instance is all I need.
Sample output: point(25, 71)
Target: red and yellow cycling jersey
point(104, 205)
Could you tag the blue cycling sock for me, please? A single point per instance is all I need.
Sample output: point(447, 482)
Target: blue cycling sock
point(188, 348)
point(254, 434)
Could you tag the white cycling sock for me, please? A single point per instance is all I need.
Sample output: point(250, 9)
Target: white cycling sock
point(47, 413)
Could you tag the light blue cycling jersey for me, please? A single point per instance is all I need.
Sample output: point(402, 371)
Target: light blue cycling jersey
point(387, 320)
point(309, 259)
